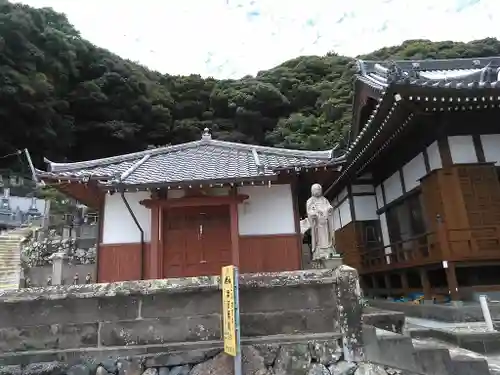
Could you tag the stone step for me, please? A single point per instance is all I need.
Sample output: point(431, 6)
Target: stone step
point(404, 353)
point(9, 267)
point(10, 277)
point(478, 340)
point(8, 286)
point(10, 242)
point(8, 280)
point(8, 255)
point(8, 249)
point(9, 264)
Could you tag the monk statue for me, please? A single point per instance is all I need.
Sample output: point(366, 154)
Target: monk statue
point(320, 216)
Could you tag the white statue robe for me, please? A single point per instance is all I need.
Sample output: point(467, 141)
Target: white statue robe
point(319, 213)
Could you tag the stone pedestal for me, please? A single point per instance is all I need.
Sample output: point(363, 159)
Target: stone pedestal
point(331, 263)
point(58, 263)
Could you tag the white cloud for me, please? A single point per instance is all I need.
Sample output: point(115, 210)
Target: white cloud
point(232, 38)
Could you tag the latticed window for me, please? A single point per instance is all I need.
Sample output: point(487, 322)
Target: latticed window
point(405, 219)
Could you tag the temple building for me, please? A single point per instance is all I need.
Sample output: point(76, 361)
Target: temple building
point(418, 197)
point(189, 209)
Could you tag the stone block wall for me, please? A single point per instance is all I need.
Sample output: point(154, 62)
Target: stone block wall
point(77, 321)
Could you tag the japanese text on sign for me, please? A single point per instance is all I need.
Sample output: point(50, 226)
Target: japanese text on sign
point(228, 310)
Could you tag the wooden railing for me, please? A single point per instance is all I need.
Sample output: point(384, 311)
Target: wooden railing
point(416, 250)
point(478, 243)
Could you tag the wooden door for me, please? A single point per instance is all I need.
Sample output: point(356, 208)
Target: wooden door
point(197, 241)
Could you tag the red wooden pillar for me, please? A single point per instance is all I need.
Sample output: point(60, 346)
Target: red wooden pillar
point(99, 237)
point(155, 263)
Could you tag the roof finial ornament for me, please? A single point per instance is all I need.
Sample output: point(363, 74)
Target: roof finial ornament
point(394, 72)
point(415, 70)
point(206, 134)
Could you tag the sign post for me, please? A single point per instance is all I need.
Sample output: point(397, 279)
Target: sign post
point(231, 315)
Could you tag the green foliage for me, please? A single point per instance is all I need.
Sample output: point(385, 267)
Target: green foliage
point(66, 99)
point(59, 203)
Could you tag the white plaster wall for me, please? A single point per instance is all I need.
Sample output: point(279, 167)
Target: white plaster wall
point(434, 156)
point(119, 226)
point(491, 147)
point(336, 219)
point(345, 213)
point(365, 207)
point(380, 197)
point(384, 229)
point(462, 149)
point(362, 189)
point(267, 211)
point(392, 187)
point(413, 171)
point(335, 201)
point(342, 194)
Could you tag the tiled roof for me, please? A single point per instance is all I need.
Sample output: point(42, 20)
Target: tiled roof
point(453, 73)
point(203, 160)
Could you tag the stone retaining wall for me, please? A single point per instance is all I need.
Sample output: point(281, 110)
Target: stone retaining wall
point(90, 319)
point(313, 357)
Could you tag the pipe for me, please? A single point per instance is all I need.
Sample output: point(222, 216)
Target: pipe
point(30, 163)
point(486, 312)
point(131, 212)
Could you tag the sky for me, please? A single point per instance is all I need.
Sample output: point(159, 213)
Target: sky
point(233, 38)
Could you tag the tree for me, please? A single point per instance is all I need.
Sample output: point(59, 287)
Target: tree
point(66, 99)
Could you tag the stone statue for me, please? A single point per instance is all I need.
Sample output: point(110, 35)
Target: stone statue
point(320, 216)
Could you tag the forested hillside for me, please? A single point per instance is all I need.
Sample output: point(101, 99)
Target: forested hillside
point(64, 98)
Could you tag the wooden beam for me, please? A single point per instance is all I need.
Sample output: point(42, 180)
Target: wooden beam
point(195, 201)
point(155, 264)
point(451, 279)
point(87, 194)
point(404, 282)
point(426, 285)
point(388, 285)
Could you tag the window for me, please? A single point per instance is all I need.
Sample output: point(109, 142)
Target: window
point(406, 220)
point(372, 238)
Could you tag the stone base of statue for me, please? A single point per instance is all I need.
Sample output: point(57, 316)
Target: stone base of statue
point(320, 254)
point(334, 262)
point(331, 262)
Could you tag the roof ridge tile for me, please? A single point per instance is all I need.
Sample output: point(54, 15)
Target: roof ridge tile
point(64, 167)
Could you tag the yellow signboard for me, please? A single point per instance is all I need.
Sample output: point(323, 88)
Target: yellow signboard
point(229, 310)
